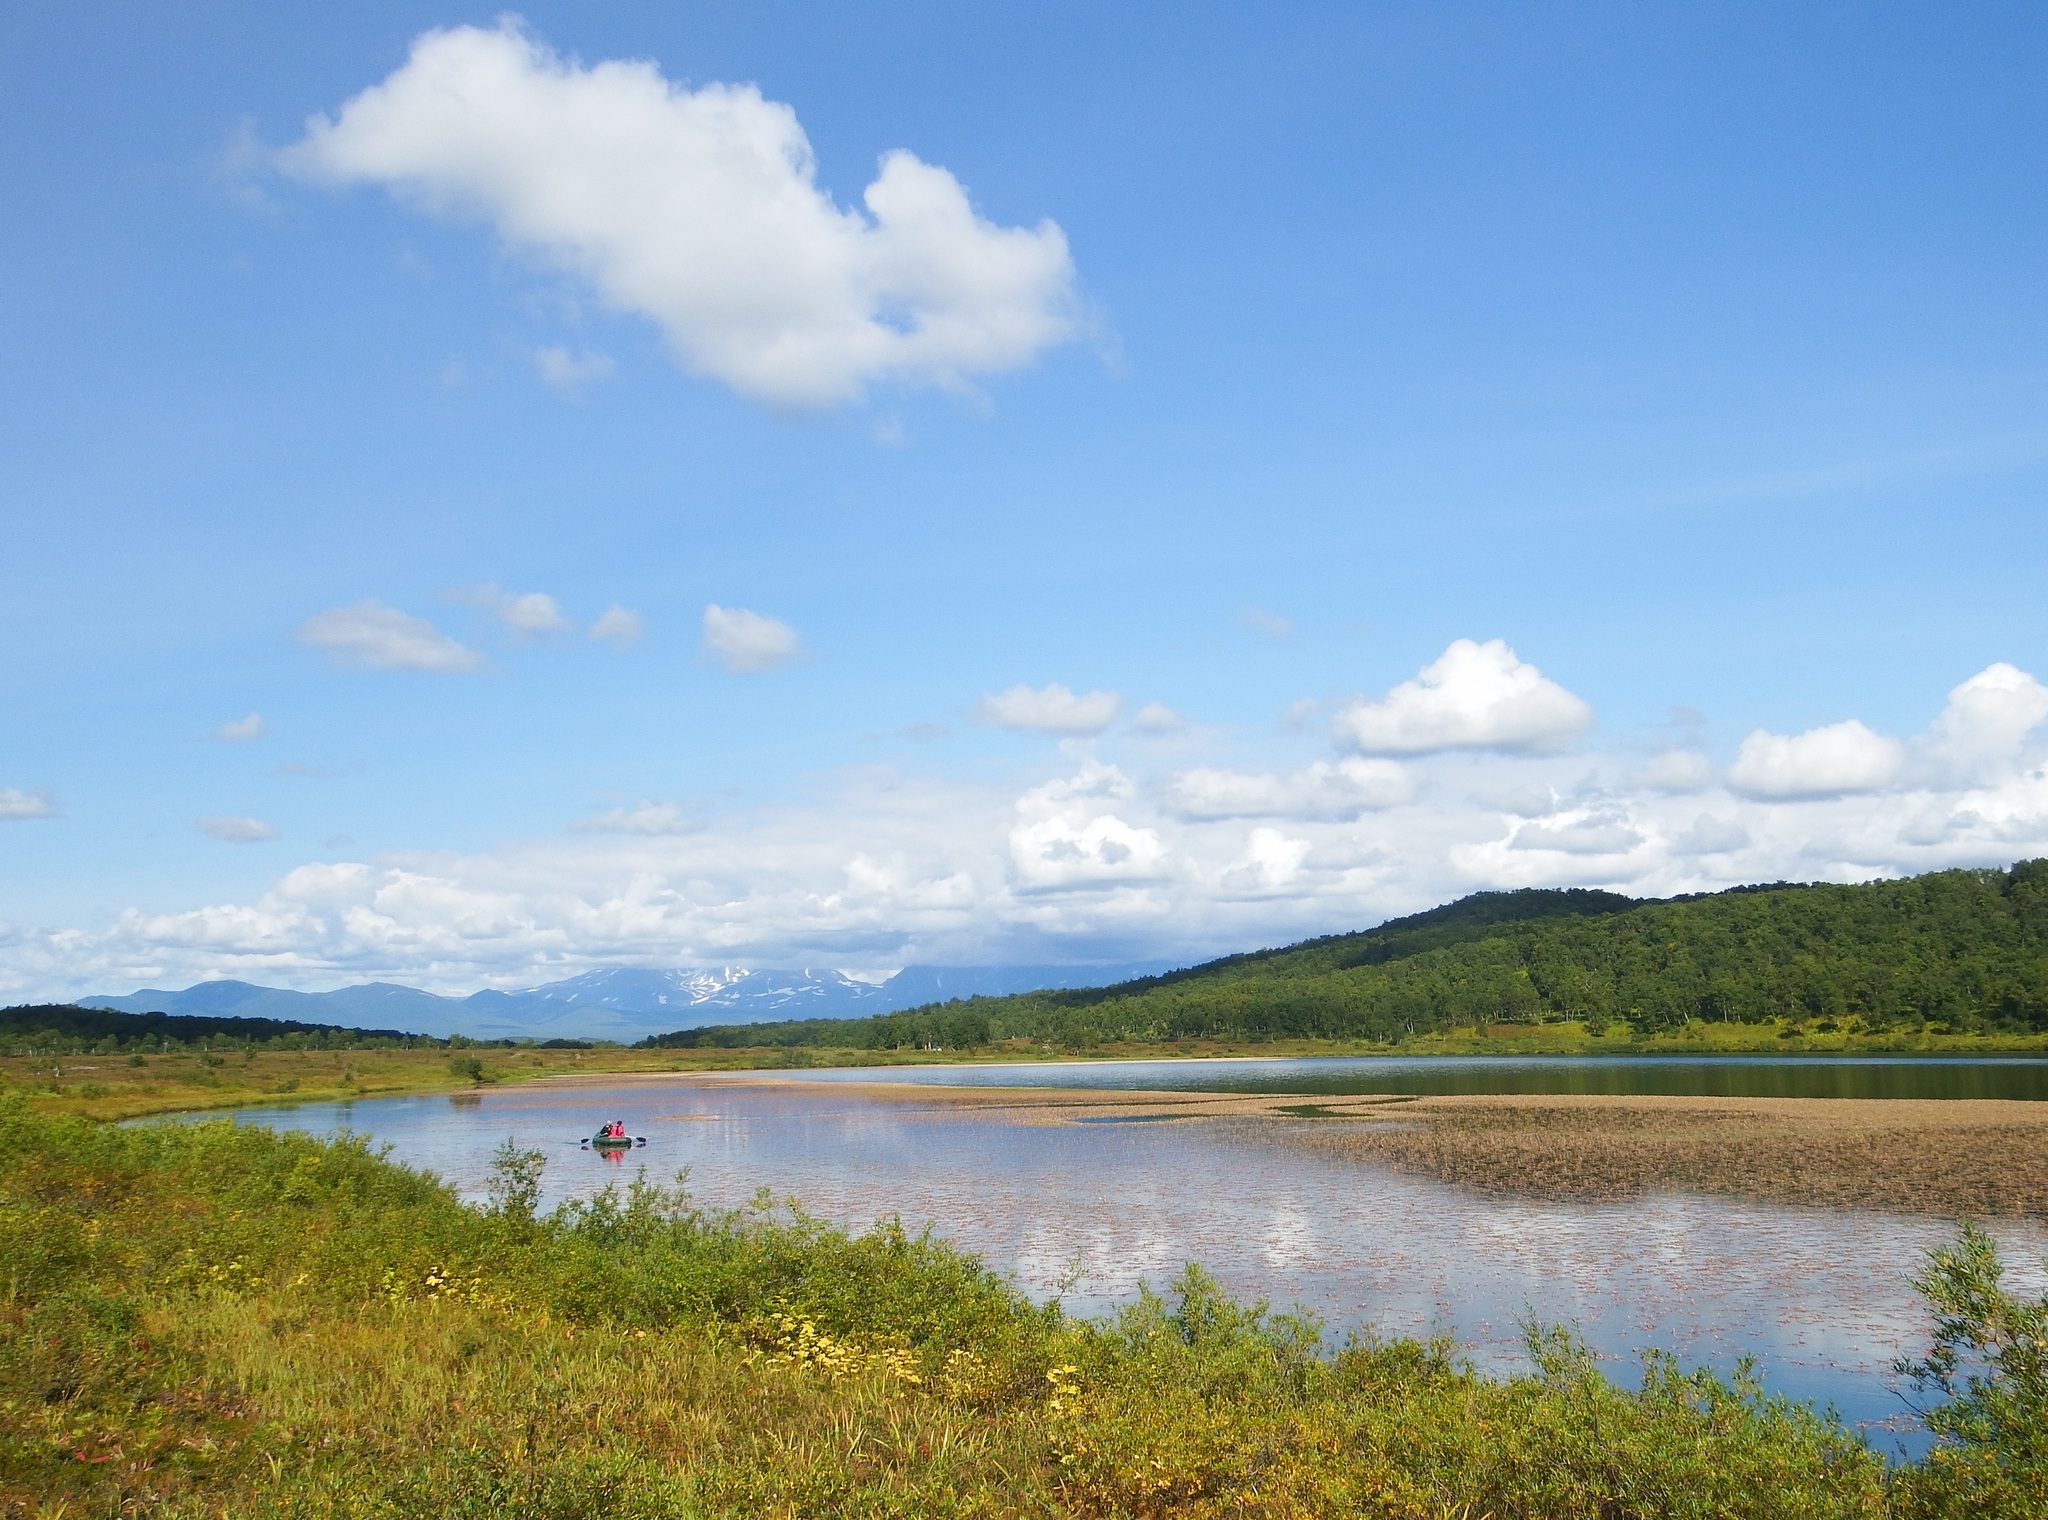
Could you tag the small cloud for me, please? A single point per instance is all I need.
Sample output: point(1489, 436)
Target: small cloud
point(1822, 762)
point(1677, 771)
point(17, 804)
point(647, 818)
point(372, 636)
point(1586, 836)
point(747, 643)
point(618, 627)
point(1049, 710)
point(1271, 860)
point(1474, 696)
point(1325, 790)
point(239, 166)
point(336, 841)
point(232, 829)
point(570, 373)
point(1530, 802)
point(1296, 715)
point(925, 731)
point(1157, 718)
point(527, 613)
point(889, 434)
point(242, 730)
point(1711, 836)
point(1267, 622)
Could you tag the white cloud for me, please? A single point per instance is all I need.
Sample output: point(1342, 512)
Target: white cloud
point(1711, 836)
point(1295, 716)
point(242, 730)
point(1593, 835)
point(1677, 771)
point(1049, 710)
point(16, 804)
point(1986, 721)
point(1530, 801)
point(747, 643)
point(618, 627)
point(1327, 789)
point(527, 613)
point(372, 636)
point(1822, 762)
point(570, 372)
point(880, 868)
point(646, 818)
point(1271, 861)
point(700, 210)
point(232, 829)
point(1474, 696)
point(1268, 622)
point(1064, 838)
point(1157, 718)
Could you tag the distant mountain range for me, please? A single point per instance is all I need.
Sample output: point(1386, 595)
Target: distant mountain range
point(623, 1003)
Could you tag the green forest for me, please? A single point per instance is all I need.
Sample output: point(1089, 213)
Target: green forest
point(1953, 952)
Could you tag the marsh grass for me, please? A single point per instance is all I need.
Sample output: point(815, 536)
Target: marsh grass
point(217, 1320)
point(1959, 1159)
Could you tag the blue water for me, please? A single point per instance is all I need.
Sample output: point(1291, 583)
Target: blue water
point(2019, 1077)
point(1086, 1212)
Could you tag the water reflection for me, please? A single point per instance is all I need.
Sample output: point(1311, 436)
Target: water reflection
point(2019, 1077)
point(1087, 1212)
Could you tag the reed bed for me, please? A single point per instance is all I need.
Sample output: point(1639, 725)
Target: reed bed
point(1967, 1159)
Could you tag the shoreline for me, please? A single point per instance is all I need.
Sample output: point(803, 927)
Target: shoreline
point(175, 1084)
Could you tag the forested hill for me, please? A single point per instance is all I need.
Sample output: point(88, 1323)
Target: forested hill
point(1956, 950)
point(66, 1024)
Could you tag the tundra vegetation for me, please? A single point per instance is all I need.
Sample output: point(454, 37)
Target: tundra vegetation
point(210, 1319)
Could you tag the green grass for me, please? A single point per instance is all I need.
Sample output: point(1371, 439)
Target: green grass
point(212, 1319)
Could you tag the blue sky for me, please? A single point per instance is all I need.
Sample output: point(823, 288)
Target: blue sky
point(1687, 363)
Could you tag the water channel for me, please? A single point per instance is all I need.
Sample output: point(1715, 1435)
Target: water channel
point(1087, 1211)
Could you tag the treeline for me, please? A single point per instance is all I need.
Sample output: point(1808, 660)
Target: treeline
point(66, 1029)
point(1950, 952)
point(943, 1026)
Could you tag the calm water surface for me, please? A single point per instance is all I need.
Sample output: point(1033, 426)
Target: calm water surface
point(1088, 1211)
point(2020, 1077)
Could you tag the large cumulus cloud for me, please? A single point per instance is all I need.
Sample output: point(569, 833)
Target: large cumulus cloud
point(700, 209)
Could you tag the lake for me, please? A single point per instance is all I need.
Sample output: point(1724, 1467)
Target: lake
point(2018, 1077)
point(1087, 1211)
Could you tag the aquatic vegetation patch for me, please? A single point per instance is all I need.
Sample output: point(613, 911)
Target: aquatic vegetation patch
point(1960, 1159)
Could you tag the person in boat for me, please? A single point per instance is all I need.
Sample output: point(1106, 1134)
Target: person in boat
point(616, 1130)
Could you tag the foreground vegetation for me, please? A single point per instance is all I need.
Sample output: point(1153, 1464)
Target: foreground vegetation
point(1897, 963)
point(212, 1319)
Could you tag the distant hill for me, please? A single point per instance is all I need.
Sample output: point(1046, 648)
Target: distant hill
point(1960, 950)
point(621, 1003)
point(72, 1022)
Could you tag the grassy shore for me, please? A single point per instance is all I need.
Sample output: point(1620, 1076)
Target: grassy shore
point(218, 1320)
point(131, 1086)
